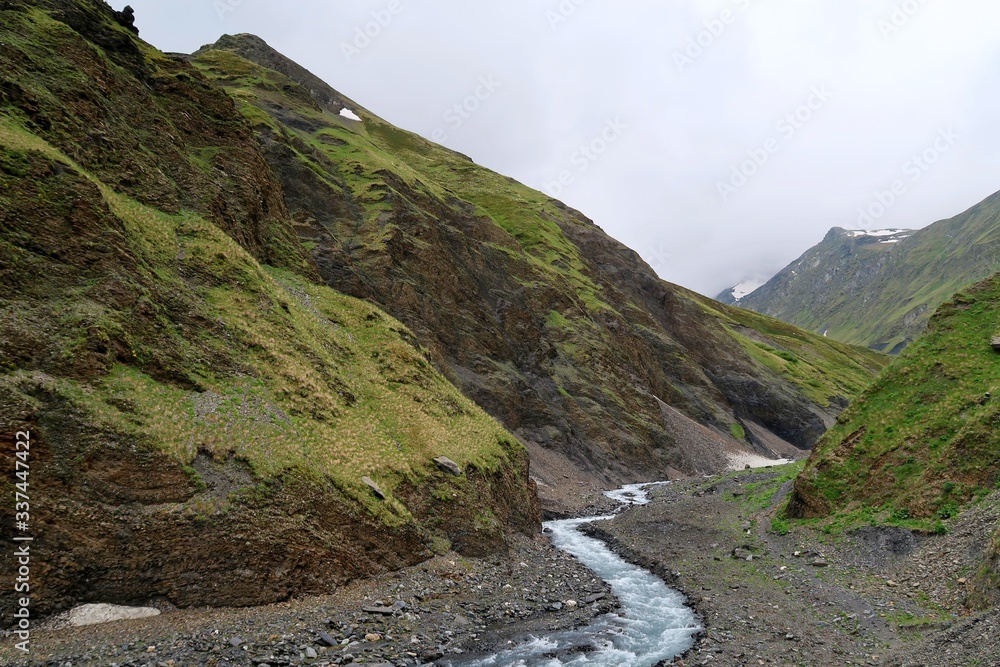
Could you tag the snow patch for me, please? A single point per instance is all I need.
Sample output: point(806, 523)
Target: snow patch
point(350, 115)
point(93, 614)
point(744, 288)
point(739, 461)
point(880, 233)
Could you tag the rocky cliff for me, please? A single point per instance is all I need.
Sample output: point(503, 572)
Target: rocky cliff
point(879, 288)
point(202, 413)
point(562, 333)
point(241, 326)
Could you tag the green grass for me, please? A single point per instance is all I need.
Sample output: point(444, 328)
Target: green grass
point(364, 154)
point(315, 381)
point(923, 440)
point(820, 367)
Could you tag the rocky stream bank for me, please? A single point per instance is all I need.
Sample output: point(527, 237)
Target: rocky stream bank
point(876, 596)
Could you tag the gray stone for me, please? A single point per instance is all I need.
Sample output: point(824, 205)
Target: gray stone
point(381, 611)
point(311, 653)
point(326, 640)
point(593, 598)
point(448, 466)
point(237, 641)
point(995, 343)
point(376, 489)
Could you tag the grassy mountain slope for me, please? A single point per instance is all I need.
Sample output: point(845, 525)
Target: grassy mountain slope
point(881, 295)
point(560, 332)
point(923, 440)
point(202, 412)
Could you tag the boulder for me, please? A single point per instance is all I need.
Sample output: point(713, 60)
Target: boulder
point(126, 18)
point(448, 466)
point(995, 343)
point(381, 611)
point(326, 640)
point(376, 489)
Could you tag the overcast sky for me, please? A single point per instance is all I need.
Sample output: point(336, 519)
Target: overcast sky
point(718, 138)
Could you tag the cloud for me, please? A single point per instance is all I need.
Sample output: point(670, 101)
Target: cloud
point(656, 187)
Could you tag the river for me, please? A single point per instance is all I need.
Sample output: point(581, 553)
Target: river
point(653, 624)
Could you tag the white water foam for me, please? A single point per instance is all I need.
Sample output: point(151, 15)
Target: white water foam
point(633, 494)
point(655, 624)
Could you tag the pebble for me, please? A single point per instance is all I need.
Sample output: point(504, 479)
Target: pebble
point(446, 606)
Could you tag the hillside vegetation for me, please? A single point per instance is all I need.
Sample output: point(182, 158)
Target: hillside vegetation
point(865, 291)
point(557, 330)
point(923, 440)
point(202, 411)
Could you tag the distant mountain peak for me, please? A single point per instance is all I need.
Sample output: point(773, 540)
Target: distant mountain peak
point(884, 236)
point(734, 294)
point(878, 287)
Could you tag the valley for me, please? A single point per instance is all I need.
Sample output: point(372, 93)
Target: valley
point(323, 392)
point(766, 593)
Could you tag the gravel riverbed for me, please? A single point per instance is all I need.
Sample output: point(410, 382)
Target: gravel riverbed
point(442, 608)
point(877, 596)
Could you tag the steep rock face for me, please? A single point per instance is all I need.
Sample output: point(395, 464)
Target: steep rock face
point(201, 412)
point(146, 125)
point(878, 289)
point(560, 332)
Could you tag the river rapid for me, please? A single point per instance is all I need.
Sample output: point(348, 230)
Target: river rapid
point(653, 624)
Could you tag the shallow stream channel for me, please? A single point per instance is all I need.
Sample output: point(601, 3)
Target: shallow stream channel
point(652, 625)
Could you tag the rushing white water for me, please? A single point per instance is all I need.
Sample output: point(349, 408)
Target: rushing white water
point(654, 624)
point(633, 494)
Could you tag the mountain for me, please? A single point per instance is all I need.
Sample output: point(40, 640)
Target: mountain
point(923, 441)
point(738, 291)
point(878, 289)
point(202, 411)
point(562, 333)
point(244, 327)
